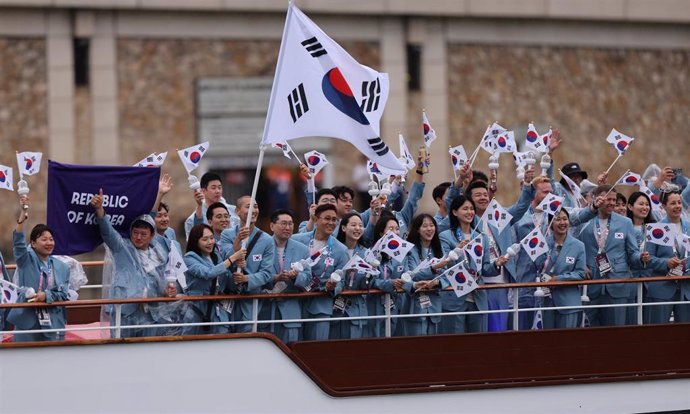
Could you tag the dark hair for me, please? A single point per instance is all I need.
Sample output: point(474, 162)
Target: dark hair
point(341, 189)
point(324, 191)
point(280, 212)
point(195, 234)
point(38, 230)
point(141, 224)
point(344, 222)
point(550, 217)
point(209, 210)
point(440, 189)
point(457, 202)
point(208, 177)
point(632, 199)
point(474, 185)
point(621, 197)
point(324, 207)
point(163, 206)
point(666, 194)
point(479, 176)
point(602, 189)
point(413, 235)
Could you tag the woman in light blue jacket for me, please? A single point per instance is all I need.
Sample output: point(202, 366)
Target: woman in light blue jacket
point(565, 261)
point(48, 278)
point(206, 275)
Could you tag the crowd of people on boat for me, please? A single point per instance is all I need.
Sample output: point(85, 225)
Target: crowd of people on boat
point(598, 234)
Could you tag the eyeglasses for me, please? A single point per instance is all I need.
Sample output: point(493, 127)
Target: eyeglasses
point(284, 223)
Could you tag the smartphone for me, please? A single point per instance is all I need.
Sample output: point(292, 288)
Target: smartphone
point(678, 172)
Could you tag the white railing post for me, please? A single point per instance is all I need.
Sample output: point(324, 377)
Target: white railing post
point(255, 315)
point(388, 315)
point(118, 320)
point(516, 313)
point(639, 303)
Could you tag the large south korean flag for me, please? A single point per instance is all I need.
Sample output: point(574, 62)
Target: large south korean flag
point(319, 90)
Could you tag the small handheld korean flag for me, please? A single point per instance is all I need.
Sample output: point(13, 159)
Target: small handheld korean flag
point(631, 179)
point(488, 141)
point(315, 162)
point(460, 279)
point(684, 242)
point(535, 244)
point(505, 142)
point(358, 264)
point(574, 188)
point(153, 160)
point(429, 133)
point(458, 157)
point(379, 171)
point(538, 322)
point(29, 162)
point(653, 198)
point(551, 204)
point(176, 268)
point(475, 250)
point(405, 153)
point(660, 233)
point(9, 292)
point(285, 147)
point(620, 141)
point(519, 158)
point(396, 247)
point(191, 156)
point(535, 141)
point(497, 216)
point(316, 257)
point(6, 178)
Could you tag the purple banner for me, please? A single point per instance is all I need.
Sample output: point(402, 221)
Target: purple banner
point(128, 193)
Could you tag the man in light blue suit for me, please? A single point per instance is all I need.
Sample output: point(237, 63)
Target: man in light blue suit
point(612, 252)
point(139, 269)
point(259, 259)
point(287, 252)
point(334, 257)
point(565, 261)
point(212, 192)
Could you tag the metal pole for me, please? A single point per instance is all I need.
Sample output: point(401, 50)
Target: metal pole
point(639, 303)
point(388, 315)
point(118, 320)
point(255, 315)
point(516, 314)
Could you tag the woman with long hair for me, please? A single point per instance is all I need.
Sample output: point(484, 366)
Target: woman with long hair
point(424, 235)
point(41, 279)
point(206, 275)
point(640, 212)
point(350, 234)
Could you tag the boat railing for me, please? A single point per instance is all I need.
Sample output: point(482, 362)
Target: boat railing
point(116, 326)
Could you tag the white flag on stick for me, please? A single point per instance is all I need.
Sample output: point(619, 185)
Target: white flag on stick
point(6, 178)
point(429, 133)
point(654, 200)
point(574, 188)
point(535, 141)
point(660, 233)
point(551, 204)
point(620, 141)
point(458, 157)
point(319, 90)
point(176, 267)
point(631, 179)
point(460, 279)
point(497, 216)
point(395, 246)
point(152, 160)
point(315, 162)
point(9, 292)
point(405, 153)
point(29, 163)
point(535, 244)
point(191, 156)
point(285, 147)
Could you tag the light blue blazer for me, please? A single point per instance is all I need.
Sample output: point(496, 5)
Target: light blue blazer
point(28, 275)
point(622, 251)
point(334, 258)
point(290, 308)
point(659, 256)
point(413, 305)
point(568, 265)
point(404, 216)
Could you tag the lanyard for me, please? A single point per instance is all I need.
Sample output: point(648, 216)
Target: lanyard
point(602, 236)
point(328, 252)
point(45, 273)
point(549, 258)
point(677, 247)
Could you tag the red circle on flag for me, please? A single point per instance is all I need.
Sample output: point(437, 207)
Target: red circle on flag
point(426, 129)
point(313, 160)
point(533, 242)
point(460, 277)
point(554, 205)
point(630, 179)
point(532, 136)
point(657, 233)
point(29, 163)
point(339, 82)
point(478, 250)
point(2, 177)
point(195, 157)
point(621, 145)
point(497, 215)
point(393, 244)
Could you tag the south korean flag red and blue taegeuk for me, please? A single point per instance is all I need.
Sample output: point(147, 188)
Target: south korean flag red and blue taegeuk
point(460, 279)
point(620, 141)
point(660, 233)
point(315, 162)
point(396, 247)
point(534, 244)
point(475, 250)
point(551, 204)
point(191, 156)
point(497, 216)
point(631, 179)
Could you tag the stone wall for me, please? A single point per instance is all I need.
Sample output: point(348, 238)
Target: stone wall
point(156, 96)
point(23, 125)
point(585, 92)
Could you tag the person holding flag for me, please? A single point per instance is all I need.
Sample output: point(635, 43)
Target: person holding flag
point(568, 187)
point(640, 213)
point(138, 271)
point(427, 247)
point(671, 260)
point(612, 252)
point(41, 279)
point(334, 257)
point(350, 234)
point(260, 254)
point(207, 274)
point(211, 191)
point(565, 261)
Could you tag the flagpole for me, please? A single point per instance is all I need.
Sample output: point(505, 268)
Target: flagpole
point(614, 163)
point(295, 155)
point(614, 184)
point(455, 173)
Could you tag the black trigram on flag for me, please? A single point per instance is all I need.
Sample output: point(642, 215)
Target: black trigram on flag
point(371, 95)
point(314, 47)
point(379, 147)
point(297, 101)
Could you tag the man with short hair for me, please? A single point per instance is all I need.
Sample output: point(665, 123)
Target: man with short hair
point(259, 258)
point(344, 200)
point(612, 251)
point(333, 257)
point(323, 196)
point(211, 192)
point(440, 193)
point(287, 252)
